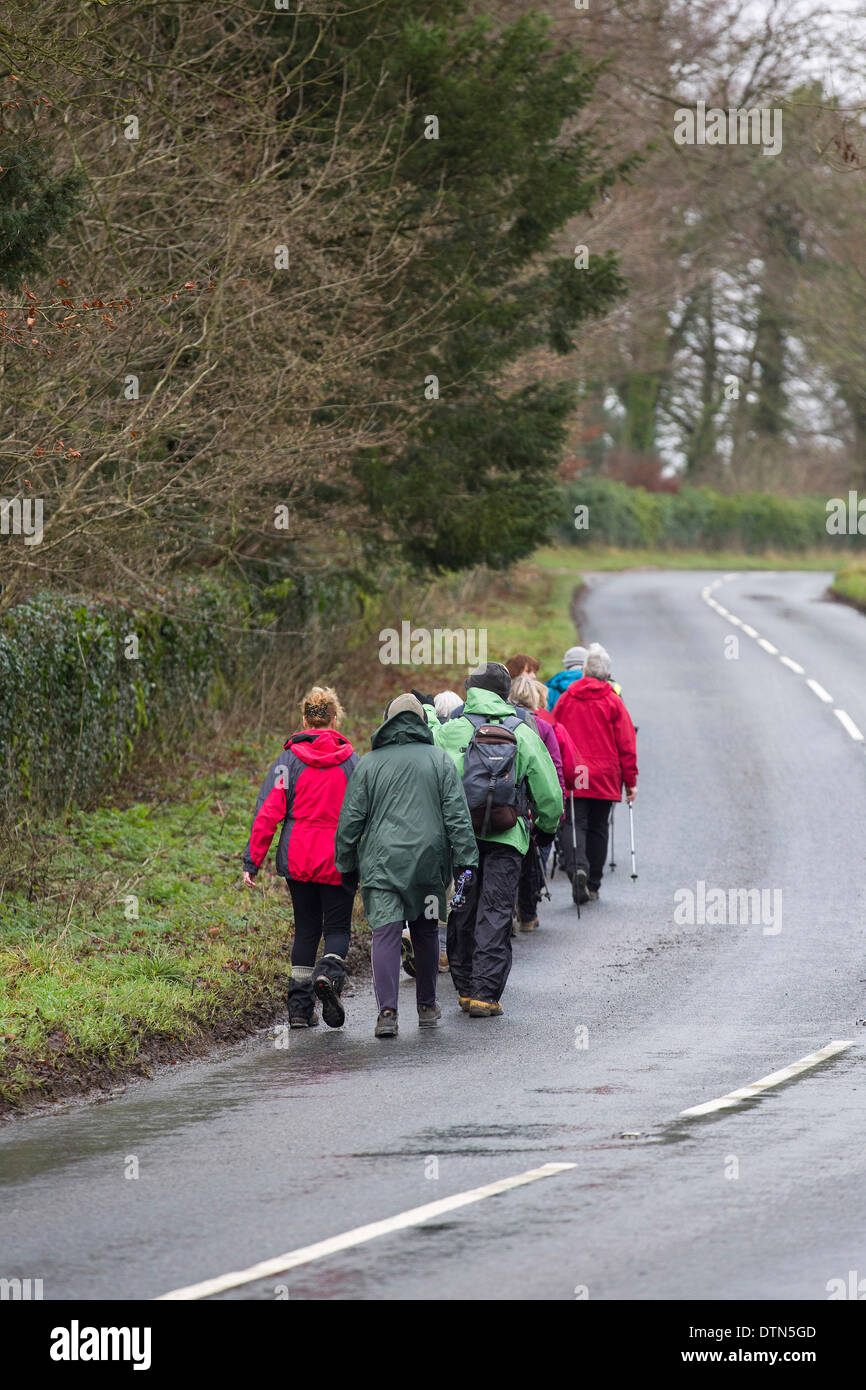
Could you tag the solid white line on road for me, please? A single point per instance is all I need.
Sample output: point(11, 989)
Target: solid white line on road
point(768, 646)
point(819, 691)
point(776, 1078)
point(848, 723)
point(749, 631)
point(361, 1234)
point(738, 622)
point(724, 612)
point(792, 665)
point(730, 576)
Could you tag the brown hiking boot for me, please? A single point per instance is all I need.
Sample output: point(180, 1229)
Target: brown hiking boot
point(428, 1015)
point(443, 962)
point(528, 923)
point(484, 1008)
point(386, 1024)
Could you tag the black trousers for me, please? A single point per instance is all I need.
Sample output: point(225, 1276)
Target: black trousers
point(591, 820)
point(531, 885)
point(321, 909)
point(479, 933)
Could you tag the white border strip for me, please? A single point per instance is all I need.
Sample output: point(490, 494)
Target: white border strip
point(775, 1078)
point(414, 1217)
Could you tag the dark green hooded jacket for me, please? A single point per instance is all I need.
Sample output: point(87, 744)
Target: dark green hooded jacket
point(403, 815)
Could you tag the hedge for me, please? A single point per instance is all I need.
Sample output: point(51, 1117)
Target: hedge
point(697, 518)
point(76, 696)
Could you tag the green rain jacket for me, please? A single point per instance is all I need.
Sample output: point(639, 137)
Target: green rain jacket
point(404, 814)
point(533, 762)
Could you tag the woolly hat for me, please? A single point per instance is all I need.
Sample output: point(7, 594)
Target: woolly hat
point(575, 656)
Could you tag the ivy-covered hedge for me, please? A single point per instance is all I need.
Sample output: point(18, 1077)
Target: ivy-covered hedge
point(80, 681)
point(697, 518)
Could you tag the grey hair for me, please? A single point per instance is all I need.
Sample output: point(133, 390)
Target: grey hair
point(597, 662)
point(526, 692)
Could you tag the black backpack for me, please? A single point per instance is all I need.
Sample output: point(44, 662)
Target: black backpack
point(495, 798)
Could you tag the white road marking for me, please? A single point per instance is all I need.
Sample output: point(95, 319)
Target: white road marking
point(819, 691)
point(844, 719)
point(848, 723)
point(730, 576)
point(361, 1234)
point(775, 1078)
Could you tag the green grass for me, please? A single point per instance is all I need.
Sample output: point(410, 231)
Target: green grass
point(850, 585)
point(87, 987)
point(586, 557)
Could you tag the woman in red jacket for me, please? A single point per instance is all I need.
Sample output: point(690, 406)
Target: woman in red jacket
point(600, 726)
point(304, 792)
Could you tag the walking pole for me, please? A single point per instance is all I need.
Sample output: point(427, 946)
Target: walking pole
point(545, 891)
point(612, 860)
point(631, 832)
point(574, 847)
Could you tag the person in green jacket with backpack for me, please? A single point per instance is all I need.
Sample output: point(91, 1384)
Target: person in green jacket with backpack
point(507, 776)
point(403, 822)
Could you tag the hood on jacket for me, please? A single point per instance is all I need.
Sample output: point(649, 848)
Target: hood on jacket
point(320, 747)
point(588, 688)
point(481, 701)
point(404, 727)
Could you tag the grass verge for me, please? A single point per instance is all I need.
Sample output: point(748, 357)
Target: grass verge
point(849, 586)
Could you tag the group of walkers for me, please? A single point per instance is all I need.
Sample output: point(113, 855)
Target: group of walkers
point(446, 824)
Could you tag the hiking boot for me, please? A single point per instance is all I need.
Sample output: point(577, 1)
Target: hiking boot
point(592, 894)
point(579, 892)
point(484, 1008)
point(304, 1021)
point(428, 1015)
point(407, 954)
point(332, 1010)
point(528, 923)
point(464, 1001)
point(443, 962)
point(386, 1024)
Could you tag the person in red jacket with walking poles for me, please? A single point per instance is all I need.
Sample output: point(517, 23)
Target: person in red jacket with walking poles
point(601, 728)
point(304, 792)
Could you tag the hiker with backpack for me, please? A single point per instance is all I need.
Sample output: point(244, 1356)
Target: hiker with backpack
point(404, 822)
point(506, 773)
point(304, 792)
point(600, 726)
point(526, 693)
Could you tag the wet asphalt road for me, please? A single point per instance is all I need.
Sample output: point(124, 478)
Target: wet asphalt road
point(747, 780)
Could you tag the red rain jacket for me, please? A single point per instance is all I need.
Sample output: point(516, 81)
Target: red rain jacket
point(567, 750)
point(304, 790)
point(601, 728)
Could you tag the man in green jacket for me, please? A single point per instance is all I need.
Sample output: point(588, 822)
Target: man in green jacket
point(404, 816)
point(479, 933)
